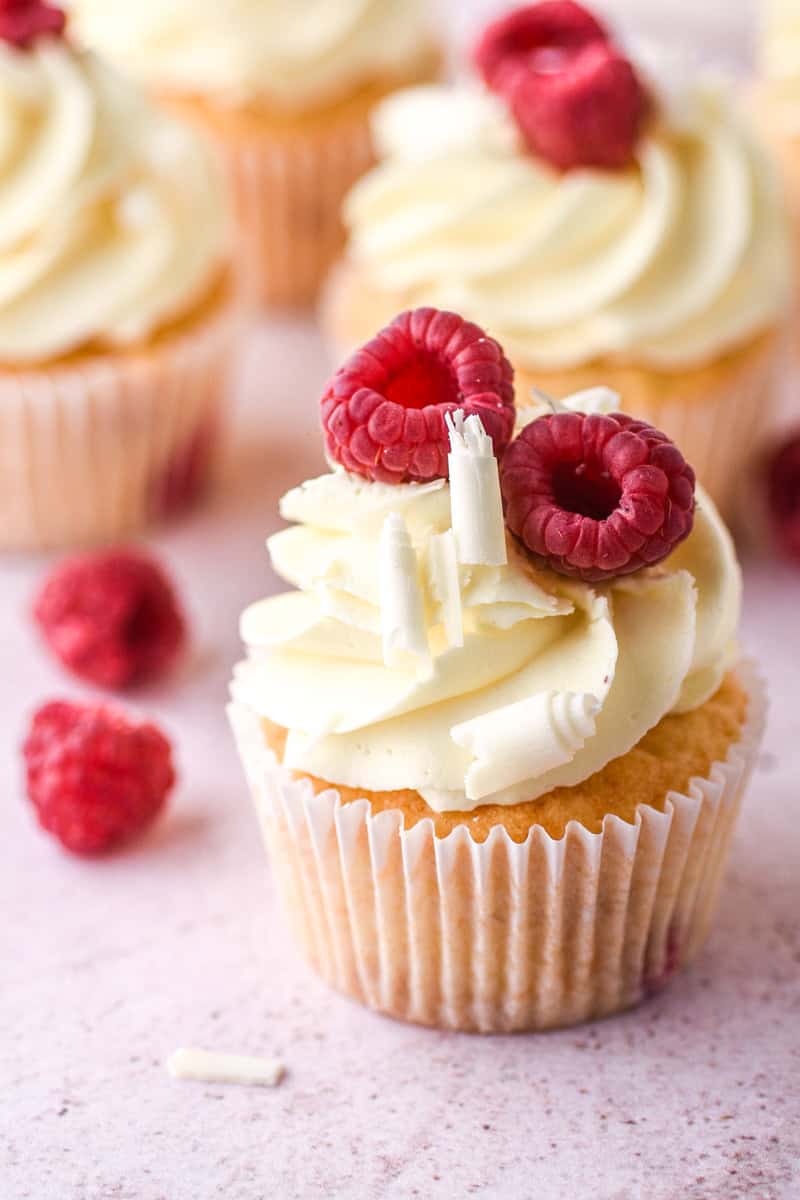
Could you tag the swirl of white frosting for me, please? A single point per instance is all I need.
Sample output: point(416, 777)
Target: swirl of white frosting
point(530, 680)
point(294, 54)
point(671, 262)
point(780, 59)
point(112, 218)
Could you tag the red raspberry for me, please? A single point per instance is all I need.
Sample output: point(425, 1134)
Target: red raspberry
point(576, 99)
point(596, 496)
point(94, 777)
point(383, 412)
point(23, 21)
point(783, 495)
point(533, 34)
point(584, 110)
point(112, 618)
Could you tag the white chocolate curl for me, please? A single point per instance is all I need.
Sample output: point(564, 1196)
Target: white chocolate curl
point(402, 609)
point(475, 503)
point(207, 1066)
point(444, 585)
point(525, 740)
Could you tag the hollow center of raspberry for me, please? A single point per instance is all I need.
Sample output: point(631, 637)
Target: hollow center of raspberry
point(421, 381)
point(587, 490)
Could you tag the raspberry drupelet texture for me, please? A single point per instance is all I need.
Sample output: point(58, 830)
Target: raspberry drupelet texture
point(596, 496)
point(383, 413)
point(783, 495)
point(23, 21)
point(94, 777)
point(112, 617)
point(575, 98)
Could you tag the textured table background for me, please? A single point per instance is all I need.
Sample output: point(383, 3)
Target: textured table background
point(108, 966)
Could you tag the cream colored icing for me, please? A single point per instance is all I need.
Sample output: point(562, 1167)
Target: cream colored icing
point(671, 262)
point(550, 679)
point(780, 59)
point(290, 52)
point(112, 216)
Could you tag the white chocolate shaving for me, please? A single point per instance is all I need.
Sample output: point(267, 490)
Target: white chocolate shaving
point(444, 585)
point(475, 504)
point(525, 740)
point(206, 1066)
point(594, 400)
point(402, 609)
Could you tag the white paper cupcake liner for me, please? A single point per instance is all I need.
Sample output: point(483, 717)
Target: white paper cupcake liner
point(288, 194)
point(98, 447)
point(498, 936)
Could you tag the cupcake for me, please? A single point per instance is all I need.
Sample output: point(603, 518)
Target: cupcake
point(498, 733)
point(116, 319)
point(284, 91)
point(645, 246)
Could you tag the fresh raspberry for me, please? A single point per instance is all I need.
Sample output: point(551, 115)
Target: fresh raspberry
point(783, 495)
point(596, 496)
point(383, 412)
point(533, 35)
point(576, 99)
point(585, 109)
point(94, 777)
point(112, 617)
point(23, 21)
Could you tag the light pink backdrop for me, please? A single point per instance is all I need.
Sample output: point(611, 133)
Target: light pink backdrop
point(108, 966)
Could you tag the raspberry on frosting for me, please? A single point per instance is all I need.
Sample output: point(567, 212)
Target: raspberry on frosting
point(596, 496)
point(575, 97)
point(533, 32)
point(23, 21)
point(383, 413)
point(111, 617)
point(94, 777)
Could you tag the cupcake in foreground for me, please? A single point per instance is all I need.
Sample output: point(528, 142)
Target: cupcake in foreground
point(116, 323)
point(498, 735)
point(284, 90)
point(646, 247)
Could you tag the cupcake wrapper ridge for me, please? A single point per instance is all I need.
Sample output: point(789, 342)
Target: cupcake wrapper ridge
point(498, 936)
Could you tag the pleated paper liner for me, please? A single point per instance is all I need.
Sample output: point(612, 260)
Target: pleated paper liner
point(498, 936)
point(289, 174)
point(718, 414)
point(99, 446)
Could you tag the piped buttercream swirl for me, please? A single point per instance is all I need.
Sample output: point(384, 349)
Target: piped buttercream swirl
point(290, 53)
point(671, 262)
point(112, 217)
point(531, 680)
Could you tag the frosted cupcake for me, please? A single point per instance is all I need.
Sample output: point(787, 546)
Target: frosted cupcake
point(116, 326)
point(284, 90)
point(644, 245)
point(497, 762)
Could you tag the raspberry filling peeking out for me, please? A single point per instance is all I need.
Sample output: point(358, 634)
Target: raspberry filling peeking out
point(576, 99)
point(23, 21)
point(383, 413)
point(596, 496)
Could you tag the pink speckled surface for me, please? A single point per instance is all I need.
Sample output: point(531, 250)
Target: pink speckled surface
point(108, 966)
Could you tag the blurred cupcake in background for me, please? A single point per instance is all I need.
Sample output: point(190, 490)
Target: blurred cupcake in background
point(599, 224)
point(285, 91)
point(116, 318)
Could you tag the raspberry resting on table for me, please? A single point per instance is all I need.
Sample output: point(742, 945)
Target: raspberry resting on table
point(383, 413)
point(111, 617)
point(23, 21)
point(94, 777)
point(574, 96)
point(596, 496)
